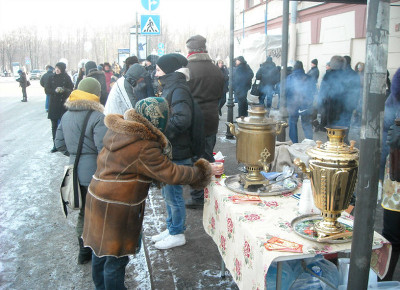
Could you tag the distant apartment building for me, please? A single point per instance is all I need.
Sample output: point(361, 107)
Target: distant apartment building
point(316, 30)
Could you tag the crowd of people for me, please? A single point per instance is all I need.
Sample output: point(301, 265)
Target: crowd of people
point(337, 100)
point(139, 133)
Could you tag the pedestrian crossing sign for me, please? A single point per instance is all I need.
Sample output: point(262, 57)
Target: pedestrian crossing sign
point(150, 24)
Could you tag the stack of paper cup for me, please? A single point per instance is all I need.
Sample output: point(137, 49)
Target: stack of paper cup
point(219, 159)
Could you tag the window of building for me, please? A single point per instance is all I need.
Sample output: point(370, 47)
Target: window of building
point(249, 3)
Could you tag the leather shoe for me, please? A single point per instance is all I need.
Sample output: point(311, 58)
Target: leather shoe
point(195, 204)
point(54, 149)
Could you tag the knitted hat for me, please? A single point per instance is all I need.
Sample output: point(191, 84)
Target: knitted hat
point(90, 85)
point(315, 61)
point(135, 72)
point(171, 62)
point(154, 109)
point(196, 43)
point(90, 66)
point(152, 58)
point(62, 66)
point(19, 71)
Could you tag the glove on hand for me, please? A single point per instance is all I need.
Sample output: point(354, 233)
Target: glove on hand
point(59, 90)
point(393, 137)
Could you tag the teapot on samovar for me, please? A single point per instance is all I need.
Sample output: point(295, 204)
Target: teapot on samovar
point(255, 144)
point(333, 168)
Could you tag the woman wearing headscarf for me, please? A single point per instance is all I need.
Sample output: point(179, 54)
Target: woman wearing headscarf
point(127, 91)
point(60, 87)
point(82, 100)
point(135, 154)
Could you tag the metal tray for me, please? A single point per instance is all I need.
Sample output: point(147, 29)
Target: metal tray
point(232, 182)
point(304, 227)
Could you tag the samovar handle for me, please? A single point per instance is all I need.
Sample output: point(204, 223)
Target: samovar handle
point(232, 129)
point(302, 166)
point(279, 126)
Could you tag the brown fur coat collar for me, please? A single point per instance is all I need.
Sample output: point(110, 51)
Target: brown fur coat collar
point(133, 123)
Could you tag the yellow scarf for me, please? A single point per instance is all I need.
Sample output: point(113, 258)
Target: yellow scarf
point(77, 95)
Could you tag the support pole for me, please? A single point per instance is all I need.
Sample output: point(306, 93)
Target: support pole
point(285, 36)
point(230, 103)
point(370, 143)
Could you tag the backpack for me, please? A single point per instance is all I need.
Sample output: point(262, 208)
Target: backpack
point(197, 135)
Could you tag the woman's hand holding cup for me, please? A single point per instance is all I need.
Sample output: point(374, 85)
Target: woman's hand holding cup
point(217, 169)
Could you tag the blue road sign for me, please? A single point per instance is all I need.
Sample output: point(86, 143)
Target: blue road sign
point(150, 5)
point(150, 24)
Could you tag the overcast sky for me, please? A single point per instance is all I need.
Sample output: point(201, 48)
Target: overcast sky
point(73, 13)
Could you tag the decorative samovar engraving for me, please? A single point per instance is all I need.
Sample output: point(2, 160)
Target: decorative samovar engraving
point(255, 144)
point(333, 173)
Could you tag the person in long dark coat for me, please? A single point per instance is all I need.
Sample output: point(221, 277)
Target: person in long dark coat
point(43, 81)
point(268, 75)
point(300, 89)
point(225, 73)
point(60, 87)
point(92, 71)
point(23, 83)
point(242, 76)
point(333, 97)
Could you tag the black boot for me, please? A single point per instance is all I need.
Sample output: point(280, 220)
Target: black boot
point(85, 253)
point(392, 266)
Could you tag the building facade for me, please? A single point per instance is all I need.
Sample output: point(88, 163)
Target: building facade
point(316, 30)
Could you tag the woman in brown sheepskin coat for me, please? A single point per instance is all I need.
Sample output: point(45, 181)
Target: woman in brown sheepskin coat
point(135, 154)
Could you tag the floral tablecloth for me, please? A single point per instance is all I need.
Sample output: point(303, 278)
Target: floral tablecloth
point(241, 229)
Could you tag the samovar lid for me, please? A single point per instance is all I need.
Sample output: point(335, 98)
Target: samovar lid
point(257, 117)
point(335, 149)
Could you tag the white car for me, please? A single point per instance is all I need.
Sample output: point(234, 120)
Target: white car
point(36, 74)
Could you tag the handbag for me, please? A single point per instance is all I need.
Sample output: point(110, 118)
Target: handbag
point(255, 89)
point(70, 189)
point(28, 83)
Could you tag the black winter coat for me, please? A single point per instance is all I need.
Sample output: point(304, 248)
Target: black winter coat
point(22, 80)
point(225, 73)
point(206, 85)
point(57, 100)
point(45, 79)
point(101, 77)
point(334, 99)
point(268, 74)
point(242, 77)
point(314, 73)
point(180, 119)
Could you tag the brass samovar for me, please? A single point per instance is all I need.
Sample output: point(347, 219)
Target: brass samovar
point(333, 168)
point(255, 144)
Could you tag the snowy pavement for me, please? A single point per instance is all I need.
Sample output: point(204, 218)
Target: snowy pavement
point(38, 245)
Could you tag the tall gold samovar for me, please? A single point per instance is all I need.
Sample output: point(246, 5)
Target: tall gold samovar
point(255, 144)
point(333, 168)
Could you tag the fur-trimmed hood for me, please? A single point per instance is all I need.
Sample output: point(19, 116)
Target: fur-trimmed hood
point(132, 124)
point(84, 105)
